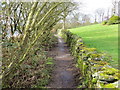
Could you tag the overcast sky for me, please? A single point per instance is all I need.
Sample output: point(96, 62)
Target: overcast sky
point(89, 6)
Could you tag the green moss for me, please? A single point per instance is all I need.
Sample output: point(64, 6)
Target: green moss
point(95, 55)
point(118, 75)
point(97, 65)
point(94, 80)
point(110, 71)
point(105, 76)
point(91, 49)
point(109, 86)
point(99, 62)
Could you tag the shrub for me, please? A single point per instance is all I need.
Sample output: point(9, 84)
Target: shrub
point(104, 22)
point(114, 20)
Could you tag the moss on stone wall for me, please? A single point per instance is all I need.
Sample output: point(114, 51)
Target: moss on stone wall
point(96, 72)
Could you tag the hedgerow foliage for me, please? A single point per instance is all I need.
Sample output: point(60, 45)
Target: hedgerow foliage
point(26, 37)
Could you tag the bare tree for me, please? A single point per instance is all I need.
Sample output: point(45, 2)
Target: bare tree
point(108, 14)
point(95, 18)
point(114, 9)
point(100, 12)
point(70, 8)
point(119, 8)
point(86, 19)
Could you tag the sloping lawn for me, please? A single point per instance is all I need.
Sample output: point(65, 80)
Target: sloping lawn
point(102, 37)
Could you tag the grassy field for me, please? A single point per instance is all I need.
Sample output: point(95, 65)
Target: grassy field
point(102, 37)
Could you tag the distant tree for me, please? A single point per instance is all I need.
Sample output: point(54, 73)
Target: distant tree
point(100, 12)
point(95, 18)
point(108, 14)
point(75, 20)
point(86, 19)
point(71, 6)
point(114, 9)
point(119, 8)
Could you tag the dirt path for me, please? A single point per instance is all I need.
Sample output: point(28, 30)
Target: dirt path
point(64, 71)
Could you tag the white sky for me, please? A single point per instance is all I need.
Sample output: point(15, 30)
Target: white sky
point(89, 6)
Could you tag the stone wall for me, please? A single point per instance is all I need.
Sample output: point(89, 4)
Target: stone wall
point(96, 72)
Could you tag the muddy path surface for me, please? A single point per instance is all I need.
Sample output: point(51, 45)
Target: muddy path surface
point(64, 72)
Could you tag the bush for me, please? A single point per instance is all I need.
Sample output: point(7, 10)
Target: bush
point(114, 20)
point(104, 22)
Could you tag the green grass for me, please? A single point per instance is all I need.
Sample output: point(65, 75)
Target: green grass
point(102, 37)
